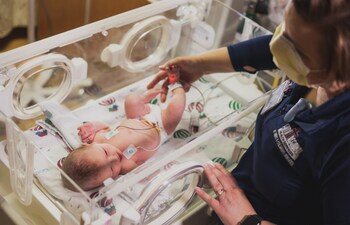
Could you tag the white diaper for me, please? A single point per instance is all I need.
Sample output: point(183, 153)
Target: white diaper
point(155, 116)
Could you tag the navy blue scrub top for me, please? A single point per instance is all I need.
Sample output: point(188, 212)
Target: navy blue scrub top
point(296, 172)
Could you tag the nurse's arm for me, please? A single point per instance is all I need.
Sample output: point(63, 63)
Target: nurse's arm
point(214, 61)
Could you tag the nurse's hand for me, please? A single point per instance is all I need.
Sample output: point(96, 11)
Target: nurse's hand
point(231, 204)
point(190, 71)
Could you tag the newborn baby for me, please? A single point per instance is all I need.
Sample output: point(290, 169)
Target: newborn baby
point(107, 153)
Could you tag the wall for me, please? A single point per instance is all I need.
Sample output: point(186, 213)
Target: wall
point(54, 16)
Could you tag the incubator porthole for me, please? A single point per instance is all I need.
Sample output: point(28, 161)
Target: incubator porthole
point(167, 198)
point(171, 197)
point(50, 80)
point(146, 44)
point(37, 86)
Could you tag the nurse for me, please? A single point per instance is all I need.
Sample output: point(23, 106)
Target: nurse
point(297, 171)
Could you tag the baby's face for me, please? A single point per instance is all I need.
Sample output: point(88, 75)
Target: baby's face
point(107, 159)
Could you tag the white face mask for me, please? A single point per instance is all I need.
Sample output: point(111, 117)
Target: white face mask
point(287, 58)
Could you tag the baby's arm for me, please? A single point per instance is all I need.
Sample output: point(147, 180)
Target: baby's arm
point(87, 131)
point(175, 108)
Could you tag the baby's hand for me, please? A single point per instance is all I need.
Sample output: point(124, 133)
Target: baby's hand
point(87, 132)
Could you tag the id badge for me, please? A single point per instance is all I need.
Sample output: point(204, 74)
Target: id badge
point(276, 96)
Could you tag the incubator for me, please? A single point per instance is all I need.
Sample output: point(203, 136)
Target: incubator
point(89, 71)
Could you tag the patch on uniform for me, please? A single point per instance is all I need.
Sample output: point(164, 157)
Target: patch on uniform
point(285, 138)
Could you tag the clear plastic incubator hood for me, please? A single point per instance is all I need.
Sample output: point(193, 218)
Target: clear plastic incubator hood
point(89, 71)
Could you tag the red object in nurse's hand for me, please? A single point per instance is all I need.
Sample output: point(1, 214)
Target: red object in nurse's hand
point(174, 74)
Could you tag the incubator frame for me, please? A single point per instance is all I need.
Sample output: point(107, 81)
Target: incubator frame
point(177, 23)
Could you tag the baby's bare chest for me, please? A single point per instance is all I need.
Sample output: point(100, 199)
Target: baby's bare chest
point(132, 132)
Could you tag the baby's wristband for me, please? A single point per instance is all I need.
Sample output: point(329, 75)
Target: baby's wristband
point(174, 86)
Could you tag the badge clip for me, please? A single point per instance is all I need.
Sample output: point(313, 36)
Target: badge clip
point(300, 106)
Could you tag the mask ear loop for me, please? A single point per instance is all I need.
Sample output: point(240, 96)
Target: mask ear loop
point(289, 4)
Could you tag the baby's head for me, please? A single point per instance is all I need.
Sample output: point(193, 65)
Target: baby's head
point(90, 165)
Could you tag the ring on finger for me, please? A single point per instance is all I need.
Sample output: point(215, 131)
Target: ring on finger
point(220, 192)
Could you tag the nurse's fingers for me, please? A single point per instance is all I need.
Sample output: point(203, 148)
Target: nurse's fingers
point(186, 86)
point(227, 178)
point(212, 202)
point(164, 67)
point(212, 177)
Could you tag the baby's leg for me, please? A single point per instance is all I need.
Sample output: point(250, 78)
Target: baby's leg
point(133, 106)
point(151, 94)
point(136, 105)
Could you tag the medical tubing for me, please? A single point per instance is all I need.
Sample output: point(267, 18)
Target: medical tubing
point(140, 147)
point(132, 128)
point(235, 116)
point(150, 150)
point(202, 95)
point(211, 88)
point(154, 127)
